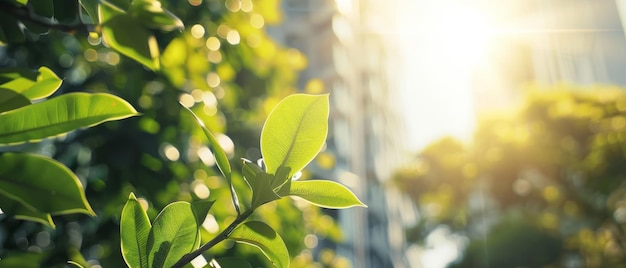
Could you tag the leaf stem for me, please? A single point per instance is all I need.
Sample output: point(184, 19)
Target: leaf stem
point(25, 14)
point(219, 238)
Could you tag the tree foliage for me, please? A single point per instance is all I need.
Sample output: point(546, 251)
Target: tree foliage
point(119, 59)
point(552, 170)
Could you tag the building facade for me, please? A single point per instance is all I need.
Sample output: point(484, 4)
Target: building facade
point(350, 52)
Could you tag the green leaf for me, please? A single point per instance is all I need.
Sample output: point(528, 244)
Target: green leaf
point(20, 212)
point(41, 184)
point(33, 85)
point(262, 236)
point(134, 231)
point(125, 34)
point(91, 7)
point(227, 262)
point(76, 264)
point(10, 30)
point(294, 132)
point(153, 16)
point(23, 260)
point(327, 194)
point(10, 100)
point(66, 12)
point(201, 209)
point(43, 8)
point(262, 191)
point(61, 115)
point(174, 233)
point(220, 156)
point(106, 10)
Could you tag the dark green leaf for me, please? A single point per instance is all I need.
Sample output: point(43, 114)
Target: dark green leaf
point(10, 31)
point(294, 132)
point(126, 35)
point(66, 12)
point(262, 236)
point(201, 209)
point(61, 115)
point(134, 231)
point(91, 7)
point(42, 8)
point(23, 260)
point(41, 184)
point(21, 212)
point(174, 233)
point(10, 100)
point(328, 194)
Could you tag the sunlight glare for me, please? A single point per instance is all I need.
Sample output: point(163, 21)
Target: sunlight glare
point(465, 33)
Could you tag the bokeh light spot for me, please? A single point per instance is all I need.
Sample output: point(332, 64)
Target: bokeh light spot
point(197, 31)
point(233, 37)
point(257, 21)
point(186, 99)
point(212, 43)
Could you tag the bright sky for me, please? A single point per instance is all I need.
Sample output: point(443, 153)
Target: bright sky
point(443, 41)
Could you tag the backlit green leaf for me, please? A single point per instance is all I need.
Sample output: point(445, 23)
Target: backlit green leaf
point(41, 184)
point(174, 233)
point(127, 35)
point(226, 262)
point(153, 16)
point(262, 236)
point(134, 231)
point(61, 115)
point(220, 156)
point(327, 194)
point(294, 132)
point(33, 85)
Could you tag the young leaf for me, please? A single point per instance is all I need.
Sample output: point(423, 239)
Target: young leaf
point(201, 209)
point(262, 236)
point(61, 115)
point(153, 16)
point(294, 132)
point(327, 194)
point(41, 184)
point(174, 233)
point(32, 85)
point(125, 34)
point(262, 191)
point(226, 262)
point(134, 231)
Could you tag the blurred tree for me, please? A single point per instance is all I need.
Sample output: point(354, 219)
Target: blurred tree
point(223, 64)
point(552, 171)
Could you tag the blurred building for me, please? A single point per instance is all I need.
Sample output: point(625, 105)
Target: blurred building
point(349, 52)
point(548, 42)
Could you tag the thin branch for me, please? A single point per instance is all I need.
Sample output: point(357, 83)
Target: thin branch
point(219, 238)
point(23, 13)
